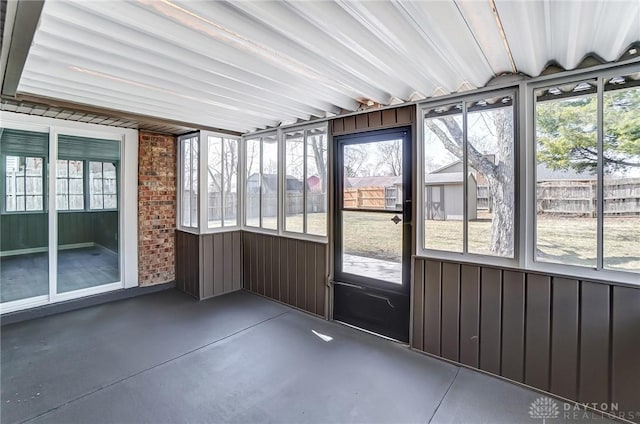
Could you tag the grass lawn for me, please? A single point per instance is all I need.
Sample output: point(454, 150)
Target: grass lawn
point(561, 240)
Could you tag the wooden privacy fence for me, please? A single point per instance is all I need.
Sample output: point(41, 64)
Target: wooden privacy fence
point(294, 201)
point(621, 197)
point(364, 197)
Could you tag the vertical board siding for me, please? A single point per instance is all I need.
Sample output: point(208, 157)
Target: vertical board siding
point(470, 315)
point(287, 270)
point(221, 267)
point(387, 118)
point(513, 322)
point(418, 304)
point(187, 263)
point(538, 322)
point(577, 339)
point(491, 319)
point(625, 361)
point(564, 337)
point(432, 302)
point(594, 343)
point(450, 327)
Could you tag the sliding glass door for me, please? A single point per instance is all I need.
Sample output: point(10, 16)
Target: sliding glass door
point(60, 217)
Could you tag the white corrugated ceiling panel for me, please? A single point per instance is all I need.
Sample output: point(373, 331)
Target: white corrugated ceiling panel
point(245, 65)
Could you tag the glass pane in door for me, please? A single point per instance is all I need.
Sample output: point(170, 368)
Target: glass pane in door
point(87, 203)
point(372, 245)
point(372, 227)
point(24, 226)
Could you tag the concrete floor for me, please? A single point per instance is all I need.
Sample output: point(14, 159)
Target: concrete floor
point(165, 358)
point(25, 276)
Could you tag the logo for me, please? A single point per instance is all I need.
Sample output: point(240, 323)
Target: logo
point(544, 408)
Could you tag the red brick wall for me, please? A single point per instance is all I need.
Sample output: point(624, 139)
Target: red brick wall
point(156, 208)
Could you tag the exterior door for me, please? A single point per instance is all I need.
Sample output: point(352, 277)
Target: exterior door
point(373, 231)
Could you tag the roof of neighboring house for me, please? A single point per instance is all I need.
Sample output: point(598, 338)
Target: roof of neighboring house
point(270, 181)
point(357, 182)
point(544, 173)
point(446, 178)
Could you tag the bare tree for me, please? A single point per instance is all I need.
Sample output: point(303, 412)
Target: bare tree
point(354, 158)
point(500, 176)
point(391, 156)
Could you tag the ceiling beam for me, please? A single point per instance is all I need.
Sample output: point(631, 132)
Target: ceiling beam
point(25, 22)
point(113, 113)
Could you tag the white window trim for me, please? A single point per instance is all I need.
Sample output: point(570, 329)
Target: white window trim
point(282, 205)
point(244, 179)
point(524, 247)
point(473, 258)
point(529, 176)
point(204, 192)
point(179, 180)
point(281, 182)
point(128, 206)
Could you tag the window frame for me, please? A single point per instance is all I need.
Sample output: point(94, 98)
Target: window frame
point(279, 133)
point(279, 221)
point(304, 235)
point(530, 262)
point(475, 258)
point(3, 186)
point(87, 174)
point(203, 195)
point(180, 179)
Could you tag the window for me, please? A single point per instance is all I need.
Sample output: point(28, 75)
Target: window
point(222, 169)
point(469, 203)
point(103, 185)
point(262, 182)
point(306, 181)
point(588, 178)
point(189, 181)
point(24, 183)
point(70, 185)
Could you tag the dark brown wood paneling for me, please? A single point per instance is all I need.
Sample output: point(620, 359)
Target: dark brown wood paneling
point(470, 315)
point(349, 124)
point(564, 337)
point(404, 115)
point(513, 307)
point(450, 327)
point(490, 319)
point(227, 261)
point(206, 289)
point(594, 343)
point(538, 321)
point(285, 262)
point(260, 262)
point(188, 263)
point(432, 301)
point(321, 278)
point(301, 275)
point(625, 352)
point(579, 340)
point(389, 117)
point(217, 259)
point(237, 261)
point(338, 126)
point(295, 271)
point(375, 119)
point(418, 304)
point(362, 121)
point(248, 242)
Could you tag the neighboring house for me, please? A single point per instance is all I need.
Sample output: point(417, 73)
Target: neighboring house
point(270, 184)
point(544, 173)
point(444, 193)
